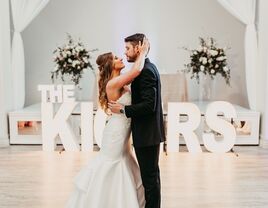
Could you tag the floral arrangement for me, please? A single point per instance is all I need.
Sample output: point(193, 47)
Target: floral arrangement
point(208, 59)
point(71, 59)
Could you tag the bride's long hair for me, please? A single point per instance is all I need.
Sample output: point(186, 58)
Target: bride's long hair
point(105, 65)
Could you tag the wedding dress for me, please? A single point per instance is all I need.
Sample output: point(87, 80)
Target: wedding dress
point(112, 179)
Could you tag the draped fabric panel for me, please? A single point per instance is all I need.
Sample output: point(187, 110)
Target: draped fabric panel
point(23, 12)
point(245, 10)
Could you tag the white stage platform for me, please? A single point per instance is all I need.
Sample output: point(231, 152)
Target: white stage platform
point(25, 125)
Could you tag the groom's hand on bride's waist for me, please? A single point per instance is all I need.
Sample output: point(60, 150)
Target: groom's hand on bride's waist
point(116, 107)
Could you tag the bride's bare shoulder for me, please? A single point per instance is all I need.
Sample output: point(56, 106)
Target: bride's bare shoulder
point(113, 93)
point(111, 83)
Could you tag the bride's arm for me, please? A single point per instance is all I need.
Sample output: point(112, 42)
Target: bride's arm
point(138, 65)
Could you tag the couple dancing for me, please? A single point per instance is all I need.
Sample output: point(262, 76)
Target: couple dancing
point(114, 179)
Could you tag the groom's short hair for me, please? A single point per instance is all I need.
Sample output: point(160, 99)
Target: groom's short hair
point(134, 39)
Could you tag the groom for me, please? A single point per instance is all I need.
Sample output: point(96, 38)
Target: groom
point(146, 121)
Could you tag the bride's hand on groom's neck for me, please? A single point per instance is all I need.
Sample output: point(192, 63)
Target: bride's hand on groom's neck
point(143, 47)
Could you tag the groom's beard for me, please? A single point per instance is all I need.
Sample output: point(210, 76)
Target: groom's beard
point(132, 58)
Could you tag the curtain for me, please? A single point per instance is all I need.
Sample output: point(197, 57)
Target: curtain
point(23, 12)
point(5, 70)
point(263, 65)
point(244, 10)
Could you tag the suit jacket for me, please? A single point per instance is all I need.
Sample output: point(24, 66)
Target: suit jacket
point(146, 109)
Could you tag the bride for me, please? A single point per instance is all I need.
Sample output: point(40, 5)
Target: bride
point(112, 179)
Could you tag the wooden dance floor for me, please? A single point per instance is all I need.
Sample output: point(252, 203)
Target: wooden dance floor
point(30, 178)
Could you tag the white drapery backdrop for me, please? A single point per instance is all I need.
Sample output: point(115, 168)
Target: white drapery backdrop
point(23, 12)
point(245, 10)
point(5, 73)
point(263, 65)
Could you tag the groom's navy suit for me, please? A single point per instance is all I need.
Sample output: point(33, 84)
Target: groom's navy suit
point(147, 129)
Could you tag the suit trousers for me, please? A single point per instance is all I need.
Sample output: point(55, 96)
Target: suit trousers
point(148, 158)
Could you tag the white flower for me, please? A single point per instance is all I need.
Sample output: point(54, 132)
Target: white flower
point(64, 54)
point(202, 68)
point(75, 62)
point(73, 52)
point(78, 67)
point(216, 66)
point(210, 60)
point(204, 60)
point(221, 58)
point(200, 48)
point(70, 60)
point(85, 60)
point(213, 52)
point(205, 49)
point(78, 48)
point(225, 69)
point(212, 71)
point(195, 53)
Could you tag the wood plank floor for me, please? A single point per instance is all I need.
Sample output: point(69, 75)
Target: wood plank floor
point(35, 179)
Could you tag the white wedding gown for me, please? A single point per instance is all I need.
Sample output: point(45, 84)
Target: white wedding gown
point(112, 179)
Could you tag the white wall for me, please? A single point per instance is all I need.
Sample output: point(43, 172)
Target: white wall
point(262, 74)
point(104, 24)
